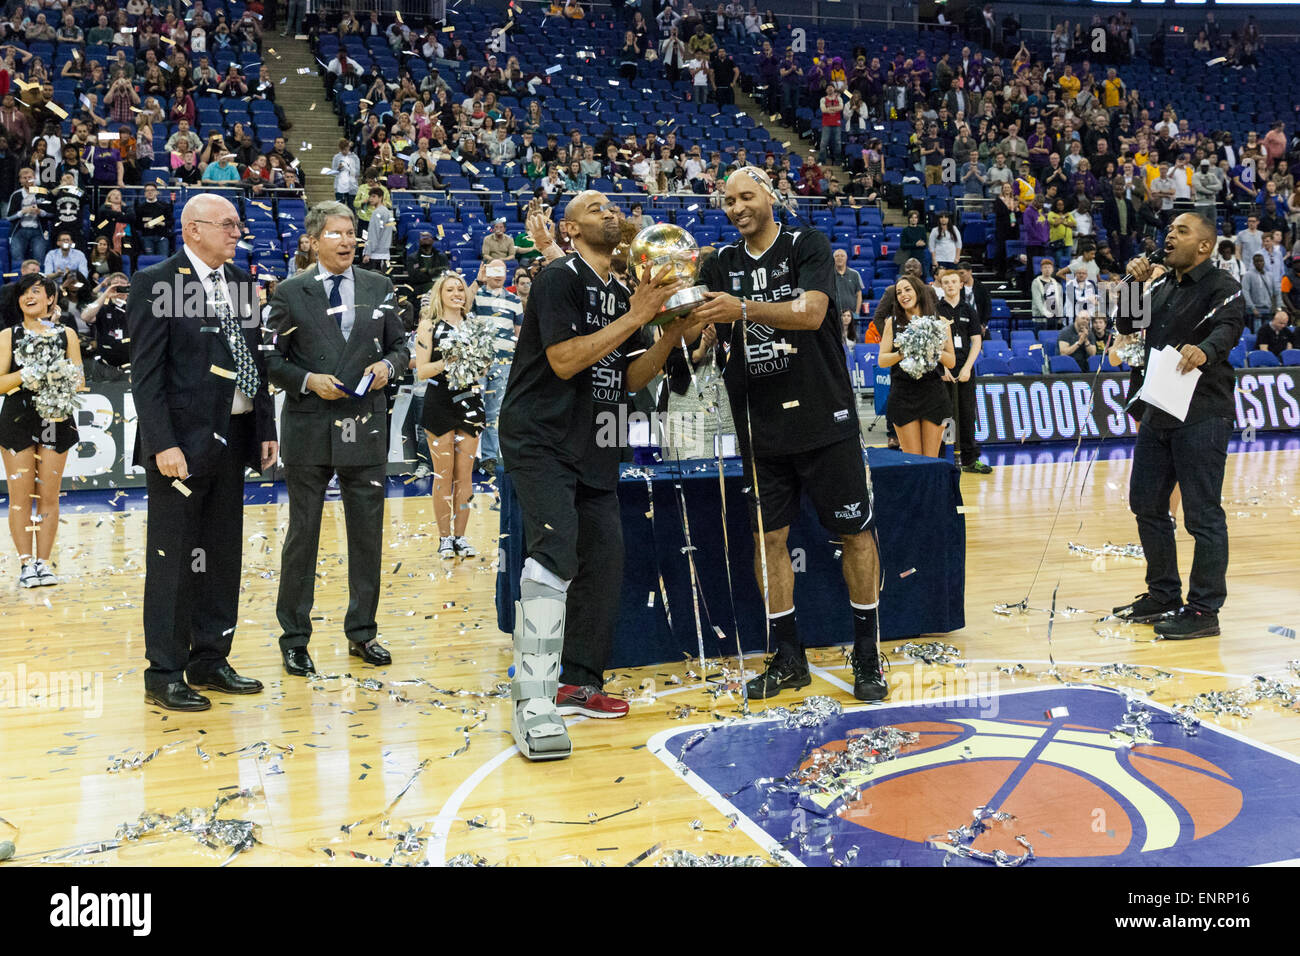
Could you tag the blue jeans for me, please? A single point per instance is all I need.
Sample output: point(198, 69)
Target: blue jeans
point(832, 144)
point(294, 13)
point(494, 390)
point(27, 242)
point(155, 246)
point(1193, 457)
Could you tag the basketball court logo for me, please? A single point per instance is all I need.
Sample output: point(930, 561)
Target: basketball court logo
point(1078, 794)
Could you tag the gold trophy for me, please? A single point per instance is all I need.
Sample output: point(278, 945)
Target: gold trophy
point(664, 244)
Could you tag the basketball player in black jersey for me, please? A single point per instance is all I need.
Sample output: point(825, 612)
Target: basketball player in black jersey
point(795, 415)
point(582, 348)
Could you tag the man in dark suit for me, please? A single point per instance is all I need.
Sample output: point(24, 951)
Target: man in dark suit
point(204, 413)
point(1121, 221)
point(335, 325)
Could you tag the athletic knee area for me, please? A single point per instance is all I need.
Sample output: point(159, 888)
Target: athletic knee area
point(772, 541)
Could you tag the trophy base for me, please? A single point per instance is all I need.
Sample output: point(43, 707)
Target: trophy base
point(681, 303)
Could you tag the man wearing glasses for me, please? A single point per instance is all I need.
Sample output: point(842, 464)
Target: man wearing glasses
point(203, 414)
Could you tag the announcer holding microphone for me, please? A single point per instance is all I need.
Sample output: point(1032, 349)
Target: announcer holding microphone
point(1196, 308)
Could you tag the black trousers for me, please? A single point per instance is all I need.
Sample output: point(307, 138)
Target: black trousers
point(575, 531)
point(362, 489)
point(1193, 456)
point(962, 396)
point(193, 559)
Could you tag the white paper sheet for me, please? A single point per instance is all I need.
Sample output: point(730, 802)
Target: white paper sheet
point(1164, 387)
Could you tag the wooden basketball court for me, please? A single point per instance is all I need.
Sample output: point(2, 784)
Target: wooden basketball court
point(318, 756)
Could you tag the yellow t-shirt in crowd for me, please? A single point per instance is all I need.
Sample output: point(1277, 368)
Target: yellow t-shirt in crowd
point(1112, 92)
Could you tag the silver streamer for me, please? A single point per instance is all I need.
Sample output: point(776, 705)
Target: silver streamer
point(1111, 550)
point(932, 652)
point(959, 840)
point(687, 858)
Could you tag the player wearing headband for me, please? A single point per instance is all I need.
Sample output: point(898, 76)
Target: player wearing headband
point(581, 350)
point(796, 419)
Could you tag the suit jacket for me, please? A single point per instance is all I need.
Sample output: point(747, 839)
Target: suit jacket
point(1110, 216)
point(308, 339)
point(180, 401)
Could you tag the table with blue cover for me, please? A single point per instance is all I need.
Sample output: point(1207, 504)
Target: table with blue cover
point(922, 543)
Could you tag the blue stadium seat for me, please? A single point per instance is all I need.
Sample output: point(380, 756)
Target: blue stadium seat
point(1063, 365)
point(992, 366)
point(1291, 356)
point(1262, 358)
point(1020, 365)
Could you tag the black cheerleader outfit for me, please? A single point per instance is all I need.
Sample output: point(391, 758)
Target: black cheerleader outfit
point(911, 399)
point(21, 426)
point(447, 409)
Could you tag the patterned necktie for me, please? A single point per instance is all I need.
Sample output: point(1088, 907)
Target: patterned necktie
point(336, 300)
point(246, 377)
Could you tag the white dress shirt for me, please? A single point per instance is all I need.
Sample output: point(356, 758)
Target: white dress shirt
point(241, 404)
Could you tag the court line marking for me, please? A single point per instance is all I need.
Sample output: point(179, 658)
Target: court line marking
point(447, 814)
point(656, 747)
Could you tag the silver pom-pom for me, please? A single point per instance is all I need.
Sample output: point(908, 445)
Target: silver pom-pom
point(1133, 351)
point(47, 373)
point(921, 342)
point(468, 349)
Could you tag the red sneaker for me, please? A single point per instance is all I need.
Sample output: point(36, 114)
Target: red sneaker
point(588, 701)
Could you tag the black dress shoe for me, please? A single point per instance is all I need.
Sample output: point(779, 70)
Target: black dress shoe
point(372, 652)
point(225, 679)
point(297, 661)
point(177, 696)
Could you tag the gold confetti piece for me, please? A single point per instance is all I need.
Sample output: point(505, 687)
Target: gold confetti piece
point(223, 372)
point(793, 404)
point(57, 110)
point(908, 573)
point(180, 486)
point(967, 509)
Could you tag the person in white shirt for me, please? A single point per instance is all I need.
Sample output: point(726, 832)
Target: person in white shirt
point(1046, 295)
point(1226, 259)
point(1080, 294)
point(1085, 261)
point(379, 232)
point(347, 173)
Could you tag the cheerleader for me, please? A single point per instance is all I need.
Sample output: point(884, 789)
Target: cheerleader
point(34, 448)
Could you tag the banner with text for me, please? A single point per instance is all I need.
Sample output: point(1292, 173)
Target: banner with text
point(1042, 408)
point(106, 424)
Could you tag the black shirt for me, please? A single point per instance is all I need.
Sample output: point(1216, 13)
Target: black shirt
point(1178, 311)
point(1275, 341)
point(965, 326)
point(575, 421)
point(111, 337)
point(796, 381)
point(147, 215)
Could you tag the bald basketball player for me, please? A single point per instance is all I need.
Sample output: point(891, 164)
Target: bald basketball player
point(795, 414)
point(582, 348)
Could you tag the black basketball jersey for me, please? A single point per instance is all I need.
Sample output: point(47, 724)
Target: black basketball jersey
point(797, 382)
point(578, 420)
